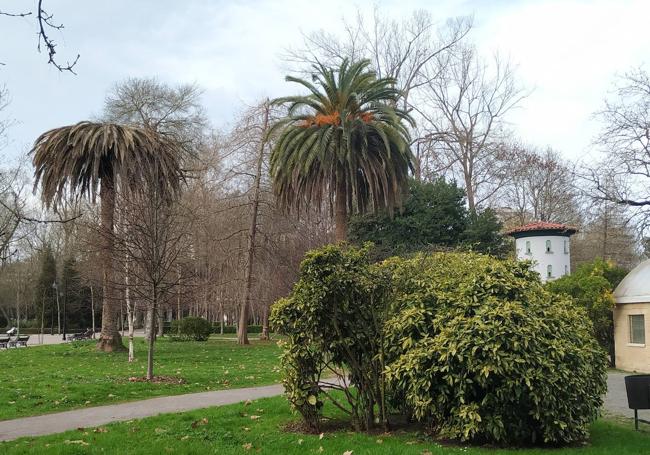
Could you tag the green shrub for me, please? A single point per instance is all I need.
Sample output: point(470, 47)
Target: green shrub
point(591, 287)
point(191, 329)
point(472, 346)
point(333, 314)
point(478, 349)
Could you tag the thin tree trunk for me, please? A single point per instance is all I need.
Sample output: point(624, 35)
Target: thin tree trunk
point(149, 322)
point(341, 212)
point(110, 338)
point(178, 297)
point(129, 312)
point(42, 317)
point(161, 322)
point(242, 330)
point(92, 308)
point(58, 312)
point(265, 324)
point(151, 316)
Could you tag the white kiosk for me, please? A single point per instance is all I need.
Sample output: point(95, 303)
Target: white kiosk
point(547, 245)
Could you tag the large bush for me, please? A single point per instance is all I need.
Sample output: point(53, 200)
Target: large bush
point(481, 351)
point(191, 329)
point(472, 346)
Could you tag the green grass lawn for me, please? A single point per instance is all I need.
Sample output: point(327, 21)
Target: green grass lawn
point(44, 379)
point(257, 427)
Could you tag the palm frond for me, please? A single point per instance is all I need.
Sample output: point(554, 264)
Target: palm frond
point(76, 159)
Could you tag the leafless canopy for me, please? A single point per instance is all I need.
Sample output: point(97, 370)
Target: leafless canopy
point(462, 112)
point(623, 176)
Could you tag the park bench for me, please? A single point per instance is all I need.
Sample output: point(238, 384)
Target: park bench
point(22, 340)
point(4, 341)
point(18, 341)
point(88, 334)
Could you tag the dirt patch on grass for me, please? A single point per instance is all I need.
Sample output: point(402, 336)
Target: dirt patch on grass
point(159, 379)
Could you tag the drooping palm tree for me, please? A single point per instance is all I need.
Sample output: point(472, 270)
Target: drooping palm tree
point(90, 159)
point(346, 141)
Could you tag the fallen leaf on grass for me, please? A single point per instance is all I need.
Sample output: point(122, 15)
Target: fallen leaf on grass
point(197, 423)
point(348, 452)
point(76, 441)
point(100, 430)
point(160, 430)
point(255, 417)
point(247, 446)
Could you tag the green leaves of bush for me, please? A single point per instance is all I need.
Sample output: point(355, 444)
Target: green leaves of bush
point(474, 347)
point(482, 352)
point(191, 329)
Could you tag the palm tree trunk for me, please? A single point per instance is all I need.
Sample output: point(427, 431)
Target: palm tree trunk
point(341, 213)
point(109, 339)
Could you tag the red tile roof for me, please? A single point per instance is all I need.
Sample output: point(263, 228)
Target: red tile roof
point(542, 226)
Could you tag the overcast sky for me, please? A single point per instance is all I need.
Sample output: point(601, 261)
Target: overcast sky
point(567, 51)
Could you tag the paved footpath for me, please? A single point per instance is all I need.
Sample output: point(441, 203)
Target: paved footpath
point(616, 398)
point(615, 403)
point(101, 415)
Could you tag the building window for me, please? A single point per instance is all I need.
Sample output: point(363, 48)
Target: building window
point(566, 247)
point(548, 246)
point(566, 269)
point(549, 271)
point(637, 328)
point(528, 247)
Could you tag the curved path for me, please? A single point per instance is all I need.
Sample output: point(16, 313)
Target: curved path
point(100, 415)
point(615, 403)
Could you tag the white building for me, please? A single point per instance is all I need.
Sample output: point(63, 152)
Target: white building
point(547, 245)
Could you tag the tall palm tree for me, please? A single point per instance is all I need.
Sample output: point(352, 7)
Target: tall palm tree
point(345, 140)
point(90, 159)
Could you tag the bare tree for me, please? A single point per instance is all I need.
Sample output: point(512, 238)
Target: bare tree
point(541, 187)
point(262, 140)
point(399, 49)
point(173, 111)
point(45, 24)
point(463, 110)
point(623, 176)
point(158, 232)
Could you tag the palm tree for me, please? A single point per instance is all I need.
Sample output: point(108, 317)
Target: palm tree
point(345, 140)
point(88, 159)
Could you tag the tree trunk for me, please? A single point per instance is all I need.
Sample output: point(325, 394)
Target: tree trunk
point(341, 212)
point(152, 313)
point(92, 308)
point(110, 339)
point(242, 330)
point(265, 324)
point(129, 312)
point(161, 322)
point(149, 323)
point(152, 337)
